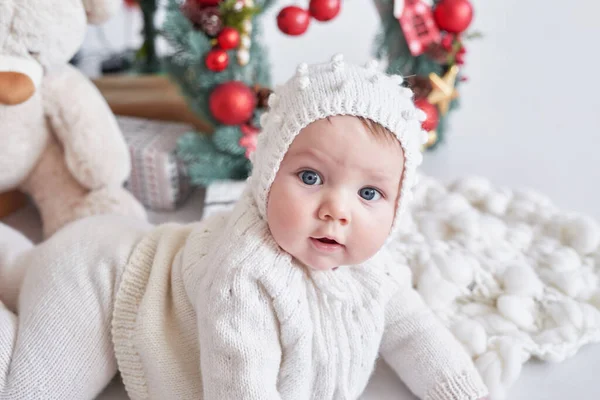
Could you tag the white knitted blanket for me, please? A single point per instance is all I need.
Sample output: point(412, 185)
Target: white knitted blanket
point(512, 276)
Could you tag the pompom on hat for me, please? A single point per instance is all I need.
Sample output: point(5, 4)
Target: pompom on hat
point(337, 88)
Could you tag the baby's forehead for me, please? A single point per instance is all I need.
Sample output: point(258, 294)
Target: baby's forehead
point(348, 136)
point(335, 150)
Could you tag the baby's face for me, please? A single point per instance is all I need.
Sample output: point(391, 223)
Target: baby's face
point(334, 198)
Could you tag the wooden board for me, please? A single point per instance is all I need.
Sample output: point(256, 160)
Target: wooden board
point(148, 96)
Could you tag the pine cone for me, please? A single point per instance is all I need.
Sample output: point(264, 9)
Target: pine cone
point(438, 53)
point(207, 19)
point(262, 96)
point(420, 85)
point(210, 21)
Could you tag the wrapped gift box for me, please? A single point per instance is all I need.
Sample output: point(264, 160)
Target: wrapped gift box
point(158, 179)
point(222, 196)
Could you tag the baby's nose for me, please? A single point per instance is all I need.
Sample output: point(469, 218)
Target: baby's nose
point(336, 209)
point(15, 88)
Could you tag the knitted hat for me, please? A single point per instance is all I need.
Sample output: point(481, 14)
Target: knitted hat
point(329, 89)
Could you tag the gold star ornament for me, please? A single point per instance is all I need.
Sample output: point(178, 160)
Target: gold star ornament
point(443, 89)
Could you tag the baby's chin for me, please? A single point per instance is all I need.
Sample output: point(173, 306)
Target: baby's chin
point(317, 266)
point(323, 267)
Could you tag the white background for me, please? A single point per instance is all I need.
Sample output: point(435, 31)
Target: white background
point(528, 118)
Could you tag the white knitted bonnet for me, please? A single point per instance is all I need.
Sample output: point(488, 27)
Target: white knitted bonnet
point(329, 89)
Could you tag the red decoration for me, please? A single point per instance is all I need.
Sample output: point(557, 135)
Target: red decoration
point(324, 10)
point(249, 130)
point(249, 142)
point(460, 56)
point(232, 103)
point(453, 16)
point(433, 116)
point(131, 3)
point(216, 60)
point(293, 20)
point(447, 42)
point(207, 2)
point(229, 38)
point(418, 26)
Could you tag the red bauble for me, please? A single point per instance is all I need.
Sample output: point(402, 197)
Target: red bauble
point(324, 10)
point(249, 130)
point(447, 42)
point(216, 60)
point(293, 20)
point(232, 103)
point(229, 38)
point(131, 3)
point(453, 15)
point(460, 56)
point(208, 2)
point(433, 116)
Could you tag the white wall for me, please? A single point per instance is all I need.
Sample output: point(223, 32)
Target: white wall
point(529, 114)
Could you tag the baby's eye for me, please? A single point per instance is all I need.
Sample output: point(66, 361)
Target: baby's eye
point(368, 193)
point(310, 178)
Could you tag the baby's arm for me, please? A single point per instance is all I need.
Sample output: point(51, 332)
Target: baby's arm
point(423, 352)
point(239, 342)
point(238, 330)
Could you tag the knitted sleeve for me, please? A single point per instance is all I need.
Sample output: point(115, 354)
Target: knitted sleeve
point(240, 352)
point(423, 352)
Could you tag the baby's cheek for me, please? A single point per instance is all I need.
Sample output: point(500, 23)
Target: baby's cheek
point(370, 234)
point(294, 218)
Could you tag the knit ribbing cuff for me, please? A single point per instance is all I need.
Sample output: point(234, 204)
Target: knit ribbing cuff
point(461, 387)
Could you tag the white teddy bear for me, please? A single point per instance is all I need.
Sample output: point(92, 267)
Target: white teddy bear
point(59, 141)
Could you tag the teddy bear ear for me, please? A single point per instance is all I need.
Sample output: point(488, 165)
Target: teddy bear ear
point(100, 11)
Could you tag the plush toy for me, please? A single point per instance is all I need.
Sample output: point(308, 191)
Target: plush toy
point(59, 141)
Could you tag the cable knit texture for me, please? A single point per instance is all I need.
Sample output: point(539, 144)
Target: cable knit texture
point(220, 312)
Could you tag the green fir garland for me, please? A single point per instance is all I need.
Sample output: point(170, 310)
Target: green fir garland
point(216, 155)
point(390, 45)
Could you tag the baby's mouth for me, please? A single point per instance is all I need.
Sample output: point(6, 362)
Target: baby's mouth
point(326, 244)
point(327, 240)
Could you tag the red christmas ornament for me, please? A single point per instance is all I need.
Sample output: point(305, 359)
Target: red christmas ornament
point(433, 116)
point(324, 10)
point(460, 56)
point(207, 2)
point(293, 20)
point(418, 26)
point(249, 130)
point(229, 38)
point(249, 142)
point(453, 16)
point(447, 41)
point(131, 3)
point(216, 60)
point(232, 103)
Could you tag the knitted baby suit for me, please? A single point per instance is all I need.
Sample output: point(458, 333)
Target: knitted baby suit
point(219, 311)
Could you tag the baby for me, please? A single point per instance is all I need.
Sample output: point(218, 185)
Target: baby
point(291, 295)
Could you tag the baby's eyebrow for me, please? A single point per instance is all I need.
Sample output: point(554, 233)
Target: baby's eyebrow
point(308, 152)
point(380, 175)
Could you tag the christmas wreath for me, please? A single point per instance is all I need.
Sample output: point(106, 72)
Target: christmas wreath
point(220, 63)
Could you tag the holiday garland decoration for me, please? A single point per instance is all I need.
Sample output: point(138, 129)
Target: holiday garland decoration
point(220, 64)
point(423, 40)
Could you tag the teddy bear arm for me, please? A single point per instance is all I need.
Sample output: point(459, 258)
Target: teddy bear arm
point(95, 151)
